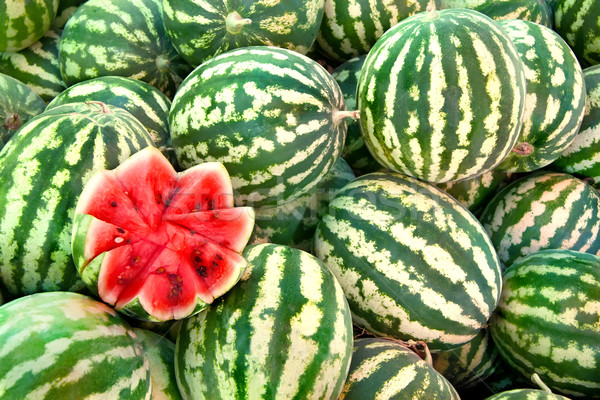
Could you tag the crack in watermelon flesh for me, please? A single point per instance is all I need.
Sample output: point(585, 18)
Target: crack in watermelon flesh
point(170, 242)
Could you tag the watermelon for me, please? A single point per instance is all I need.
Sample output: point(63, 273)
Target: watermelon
point(203, 29)
point(382, 369)
point(548, 317)
point(18, 104)
point(156, 244)
point(63, 345)
point(580, 158)
point(578, 22)
point(441, 96)
point(123, 38)
point(284, 332)
point(351, 28)
point(160, 352)
point(146, 103)
point(43, 169)
point(537, 11)
point(23, 23)
point(37, 66)
point(555, 99)
point(526, 394)
point(273, 117)
point(413, 262)
point(66, 8)
point(543, 210)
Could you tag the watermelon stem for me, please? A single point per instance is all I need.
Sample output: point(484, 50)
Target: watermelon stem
point(338, 115)
point(538, 381)
point(13, 122)
point(234, 22)
point(523, 149)
point(103, 107)
point(162, 63)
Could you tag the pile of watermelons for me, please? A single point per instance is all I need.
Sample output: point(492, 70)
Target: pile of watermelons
point(286, 199)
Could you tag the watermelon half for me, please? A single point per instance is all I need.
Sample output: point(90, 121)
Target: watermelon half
point(157, 244)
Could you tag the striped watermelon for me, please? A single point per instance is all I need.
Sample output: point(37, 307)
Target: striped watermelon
point(384, 370)
point(294, 223)
point(413, 262)
point(122, 38)
point(23, 23)
point(203, 29)
point(284, 332)
point(351, 28)
point(543, 210)
point(146, 103)
point(66, 8)
point(161, 355)
point(64, 345)
point(537, 11)
point(157, 244)
point(578, 22)
point(580, 158)
point(37, 66)
point(555, 99)
point(18, 104)
point(503, 378)
point(441, 96)
point(548, 317)
point(526, 394)
point(273, 117)
point(43, 170)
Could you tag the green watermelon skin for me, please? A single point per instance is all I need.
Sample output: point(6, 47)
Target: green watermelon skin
point(382, 369)
point(120, 38)
point(66, 8)
point(547, 320)
point(543, 210)
point(268, 114)
point(437, 281)
point(350, 28)
point(201, 30)
point(37, 66)
point(578, 22)
point(24, 22)
point(284, 332)
point(526, 394)
point(555, 99)
point(160, 352)
point(537, 11)
point(420, 113)
point(65, 345)
point(18, 104)
point(580, 157)
point(43, 169)
point(146, 103)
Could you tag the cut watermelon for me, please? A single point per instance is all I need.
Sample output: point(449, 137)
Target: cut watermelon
point(157, 244)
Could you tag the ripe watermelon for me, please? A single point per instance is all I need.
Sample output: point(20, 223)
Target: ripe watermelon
point(537, 11)
point(526, 394)
point(22, 22)
point(578, 22)
point(156, 244)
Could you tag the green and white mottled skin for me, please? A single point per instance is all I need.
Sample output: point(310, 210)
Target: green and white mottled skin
point(65, 345)
point(469, 364)
point(273, 117)
point(294, 223)
point(526, 394)
point(43, 170)
point(145, 102)
point(37, 66)
point(555, 99)
point(413, 262)
point(351, 27)
point(122, 38)
point(160, 352)
point(441, 96)
point(578, 22)
point(543, 210)
point(18, 104)
point(537, 11)
point(384, 370)
point(548, 317)
point(355, 152)
point(66, 8)
point(24, 22)
point(283, 332)
point(581, 157)
point(202, 29)
point(476, 192)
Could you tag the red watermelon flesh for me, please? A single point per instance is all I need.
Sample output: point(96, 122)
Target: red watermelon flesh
point(158, 244)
